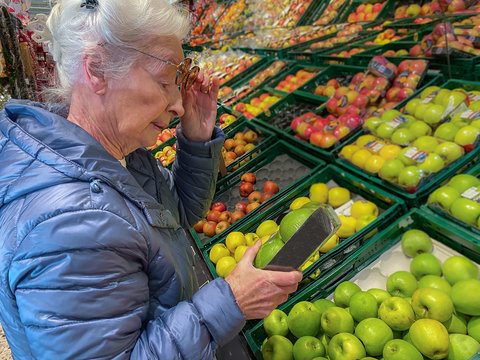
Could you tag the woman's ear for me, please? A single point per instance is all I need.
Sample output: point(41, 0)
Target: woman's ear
point(93, 72)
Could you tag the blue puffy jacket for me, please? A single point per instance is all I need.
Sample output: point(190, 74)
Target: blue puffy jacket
point(94, 262)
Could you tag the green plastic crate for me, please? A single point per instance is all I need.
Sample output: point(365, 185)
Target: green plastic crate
point(280, 162)
point(257, 93)
point(312, 8)
point(274, 81)
point(328, 58)
point(439, 229)
point(389, 206)
point(170, 141)
point(409, 24)
point(305, 54)
point(365, 57)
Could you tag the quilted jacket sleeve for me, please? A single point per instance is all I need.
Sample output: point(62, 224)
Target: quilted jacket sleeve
point(194, 175)
point(80, 283)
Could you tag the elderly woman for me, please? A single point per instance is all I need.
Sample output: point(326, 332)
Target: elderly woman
point(95, 263)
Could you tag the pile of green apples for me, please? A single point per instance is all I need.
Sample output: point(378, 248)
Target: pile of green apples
point(431, 311)
point(460, 198)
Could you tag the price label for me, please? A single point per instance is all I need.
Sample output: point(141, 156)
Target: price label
point(473, 97)
point(344, 209)
point(472, 194)
point(397, 121)
point(429, 98)
point(469, 114)
point(418, 156)
point(375, 146)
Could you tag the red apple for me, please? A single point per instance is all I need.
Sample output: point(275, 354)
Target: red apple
point(198, 227)
point(213, 215)
point(249, 178)
point(252, 206)
point(246, 189)
point(219, 206)
point(240, 206)
point(237, 215)
point(328, 140)
point(316, 138)
point(392, 93)
point(225, 216)
point(254, 196)
point(265, 197)
point(404, 93)
point(270, 187)
point(341, 131)
point(209, 228)
point(295, 122)
point(221, 226)
point(361, 101)
point(353, 122)
point(415, 51)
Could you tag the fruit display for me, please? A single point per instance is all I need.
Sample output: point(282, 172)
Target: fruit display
point(459, 197)
point(293, 81)
point(345, 34)
point(257, 104)
point(417, 288)
point(225, 65)
point(331, 12)
point(278, 13)
point(167, 155)
point(385, 37)
point(413, 11)
point(242, 143)
point(366, 12)
point(250, 187)
point(228, 96)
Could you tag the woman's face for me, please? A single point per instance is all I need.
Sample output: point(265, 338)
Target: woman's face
point(146, 100)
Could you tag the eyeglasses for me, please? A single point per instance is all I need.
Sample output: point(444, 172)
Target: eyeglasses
point(186, 75)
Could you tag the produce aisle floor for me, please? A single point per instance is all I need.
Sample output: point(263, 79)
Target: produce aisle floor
point(4, 349)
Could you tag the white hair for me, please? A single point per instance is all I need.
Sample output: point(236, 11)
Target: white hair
point(116, 26)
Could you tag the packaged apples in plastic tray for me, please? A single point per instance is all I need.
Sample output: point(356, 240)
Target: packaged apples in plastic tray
point(410, 291)
point(229, 95)
point(459, 199)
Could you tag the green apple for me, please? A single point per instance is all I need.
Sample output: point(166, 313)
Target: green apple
point(430, 303)
point(343, 292)
point(391, 169)
point(449, 151)
point(465, 210)
point(276, 323)
point(430, 337)
point(373, 123)
point(432, 164)
point(446, 131)
point(458, 268)
point(374, 334)
point(362, 306)
point(389, 115)
point(292, 222)
point(462, 347)
point(397, 313)
point(412, 106)
point(455, 98)
point(426, 143)
point(435, 282)
point(442, 96)
point(420, 128)
point(345, 346)
point(429, 90)
point(466, 135)
point(457, 324)
point(473, 327)
point(425, 264)
point(320, 358)
point(401, 284)
point(268, 250)
point(433, 113)
point(444, 196)
point(385, 131)
point(379, 295)
point(409, 176)
point(402, 136)
point(420, 111)
point(363, 221)
point(304, 319)
point(465, 296)
point(401, 350)
point(416, 242)
point(323, 304)
point(463, 182)
point(308, 347)
point(277, 347)
point(336, 320)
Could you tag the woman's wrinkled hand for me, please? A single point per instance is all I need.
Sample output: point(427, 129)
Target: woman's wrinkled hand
point(200, 105)
point(259, 291)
